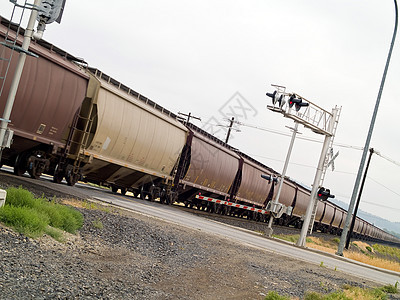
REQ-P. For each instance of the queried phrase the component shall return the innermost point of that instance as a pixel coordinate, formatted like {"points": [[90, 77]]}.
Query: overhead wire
{"points": [[315, 140]]}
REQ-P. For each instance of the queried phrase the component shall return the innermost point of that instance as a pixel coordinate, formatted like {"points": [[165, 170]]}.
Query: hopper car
{"points": [[75, 122], [51, 90]]}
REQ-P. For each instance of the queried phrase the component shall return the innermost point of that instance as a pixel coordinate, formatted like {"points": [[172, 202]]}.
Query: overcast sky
{"points": [[217, 59]]}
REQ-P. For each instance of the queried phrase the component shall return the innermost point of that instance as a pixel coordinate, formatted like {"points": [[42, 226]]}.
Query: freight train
{"points": [[75, 122]]}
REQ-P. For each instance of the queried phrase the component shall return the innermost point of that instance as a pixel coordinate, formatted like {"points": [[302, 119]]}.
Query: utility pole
{"points": [[229, 130], [371, 151], [343, 237], [189, 116]]}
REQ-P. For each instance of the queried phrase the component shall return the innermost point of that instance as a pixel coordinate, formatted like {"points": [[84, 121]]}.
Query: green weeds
{"points": [[347, 293], [387, 250], [34, 216], [97, 224]]}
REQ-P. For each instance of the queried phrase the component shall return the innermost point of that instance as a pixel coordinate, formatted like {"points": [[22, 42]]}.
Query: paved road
{"points": [[174, 215], [183, 218]]}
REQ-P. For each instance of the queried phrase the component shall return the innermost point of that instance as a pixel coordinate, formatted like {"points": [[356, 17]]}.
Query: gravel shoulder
{"points": [[137, 257]]}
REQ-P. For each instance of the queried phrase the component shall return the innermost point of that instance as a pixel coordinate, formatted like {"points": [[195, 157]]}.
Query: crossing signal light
{"points": [[298, 103], [51, 10], [323, 194], [270, 178], [277, 98]]}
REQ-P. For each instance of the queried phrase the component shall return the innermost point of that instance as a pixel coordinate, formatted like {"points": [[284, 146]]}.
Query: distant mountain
{"points": [[392, 227]]}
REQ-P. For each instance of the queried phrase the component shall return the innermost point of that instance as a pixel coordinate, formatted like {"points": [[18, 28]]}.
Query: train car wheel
{"points": [[212, 207], [34, 173], [142, 194], [114, 189], [71, 179], [123, 191], [20, 165], [170, 199], [58, 176], [163, 200]]}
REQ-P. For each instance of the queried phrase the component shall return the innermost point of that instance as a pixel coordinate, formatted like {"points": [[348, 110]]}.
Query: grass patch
{"points": [[390, 289], [34, 216], [290, 237], [378, 255], [97, 224], [25, 220], [387, 251], [272, 295], [55, 233], [347, 293], [287, 237], [336, 240], [86, 205], [374, 261], [89, 205]]}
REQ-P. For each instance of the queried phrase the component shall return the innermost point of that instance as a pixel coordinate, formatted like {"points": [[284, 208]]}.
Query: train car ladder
{"points": [[329, 155], [80, 133], [83, 142]]}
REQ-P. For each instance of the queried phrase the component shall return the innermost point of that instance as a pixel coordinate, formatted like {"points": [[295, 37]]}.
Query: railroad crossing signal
{"points": [[277, 98], [270, 178], [51, 10], [332, 161], [323, 194], [298, 102]]}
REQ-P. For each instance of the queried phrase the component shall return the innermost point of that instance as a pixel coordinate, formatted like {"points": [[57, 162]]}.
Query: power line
{"points": [[384, 186], [310, 139], [315, 140], [387, 158], [343, 172], [380, 205]]}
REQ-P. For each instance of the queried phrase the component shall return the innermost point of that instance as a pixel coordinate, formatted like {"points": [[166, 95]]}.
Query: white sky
{"points": [[193, 56]]}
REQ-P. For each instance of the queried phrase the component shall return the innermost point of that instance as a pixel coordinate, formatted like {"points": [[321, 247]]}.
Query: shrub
{"points": [[24, 219], [19, 197], [72, 219], [390, 289], [34, 216], [55, 233], [272, 295], [332, 296]]}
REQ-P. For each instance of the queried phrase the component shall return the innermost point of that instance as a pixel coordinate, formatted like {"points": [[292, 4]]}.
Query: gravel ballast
{"points": [[120, 254]]}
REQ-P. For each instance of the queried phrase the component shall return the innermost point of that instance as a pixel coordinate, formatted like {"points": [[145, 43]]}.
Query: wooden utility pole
{"points": [[189, 115]]}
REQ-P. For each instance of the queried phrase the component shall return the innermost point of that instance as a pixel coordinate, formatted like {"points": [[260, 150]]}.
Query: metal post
{"points": [[317, 179], [276, 200], [353, 221], [367, 142], [18, 72]]}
